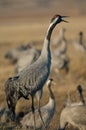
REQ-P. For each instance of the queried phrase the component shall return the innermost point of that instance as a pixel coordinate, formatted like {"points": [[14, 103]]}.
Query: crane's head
{"points": [[80, 33], [50, 81], [58, 18]]}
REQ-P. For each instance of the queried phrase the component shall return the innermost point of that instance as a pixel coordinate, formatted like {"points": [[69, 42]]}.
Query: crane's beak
{"points": [[63, 19]]}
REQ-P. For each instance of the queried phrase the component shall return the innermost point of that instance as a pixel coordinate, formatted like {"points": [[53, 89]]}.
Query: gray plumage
{"points": [[32, 79], [60, 37], [60, 59], [61, 47], [82, 100], [60, 62], [13, 55], [74, 115], [79, 44], [47, 112], [26, 59]]}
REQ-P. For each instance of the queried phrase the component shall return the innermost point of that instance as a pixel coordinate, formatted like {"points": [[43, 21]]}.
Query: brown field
{"points": [[14, 32]]}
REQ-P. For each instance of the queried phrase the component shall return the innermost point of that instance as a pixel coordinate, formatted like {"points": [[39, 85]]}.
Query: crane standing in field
{"points": [[30, 81], [60, 37], [82, 100], [79, 44], [27, 59], [13, 55], [47, 112], [60, 59], [74, 113]]}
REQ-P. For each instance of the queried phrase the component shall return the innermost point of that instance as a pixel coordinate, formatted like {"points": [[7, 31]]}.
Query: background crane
{"points": [[47, 112]]}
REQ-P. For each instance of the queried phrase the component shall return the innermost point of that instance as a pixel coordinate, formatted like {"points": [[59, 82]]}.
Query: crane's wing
{"points": [[79, 115], [34, 78]]}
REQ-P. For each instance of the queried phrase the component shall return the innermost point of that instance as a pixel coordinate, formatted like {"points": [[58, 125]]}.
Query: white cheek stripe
{"points": [[53, 21]]}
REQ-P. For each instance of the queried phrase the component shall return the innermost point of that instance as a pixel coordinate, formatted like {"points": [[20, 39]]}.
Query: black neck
{"points": [[51, 93], [50, 31]]}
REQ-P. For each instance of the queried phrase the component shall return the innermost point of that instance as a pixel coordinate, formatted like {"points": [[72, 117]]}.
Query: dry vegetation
{"points": [[16, 32]]}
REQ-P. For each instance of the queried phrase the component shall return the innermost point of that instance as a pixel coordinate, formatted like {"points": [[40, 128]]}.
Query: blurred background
{"points": [[11, 8], [25, 22], [17, 15]]}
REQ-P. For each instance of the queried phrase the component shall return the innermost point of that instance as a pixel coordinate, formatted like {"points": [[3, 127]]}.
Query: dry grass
{"points": [[15, 33]]}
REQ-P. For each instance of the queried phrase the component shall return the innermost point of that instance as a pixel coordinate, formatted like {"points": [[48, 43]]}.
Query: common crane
{"points": [[60, 62], [14, 54], [30, 81], [27, 59], [79, 44], [60, 37], [60, 59], [82, 100], [47, 112], [74, 115]]}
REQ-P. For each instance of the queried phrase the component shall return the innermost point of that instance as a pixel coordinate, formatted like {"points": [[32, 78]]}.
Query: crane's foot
{"points": [[42, 119]]}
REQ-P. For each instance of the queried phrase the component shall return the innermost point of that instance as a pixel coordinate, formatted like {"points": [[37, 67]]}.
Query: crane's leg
{"points": [[41, 115], [33, 111]]}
